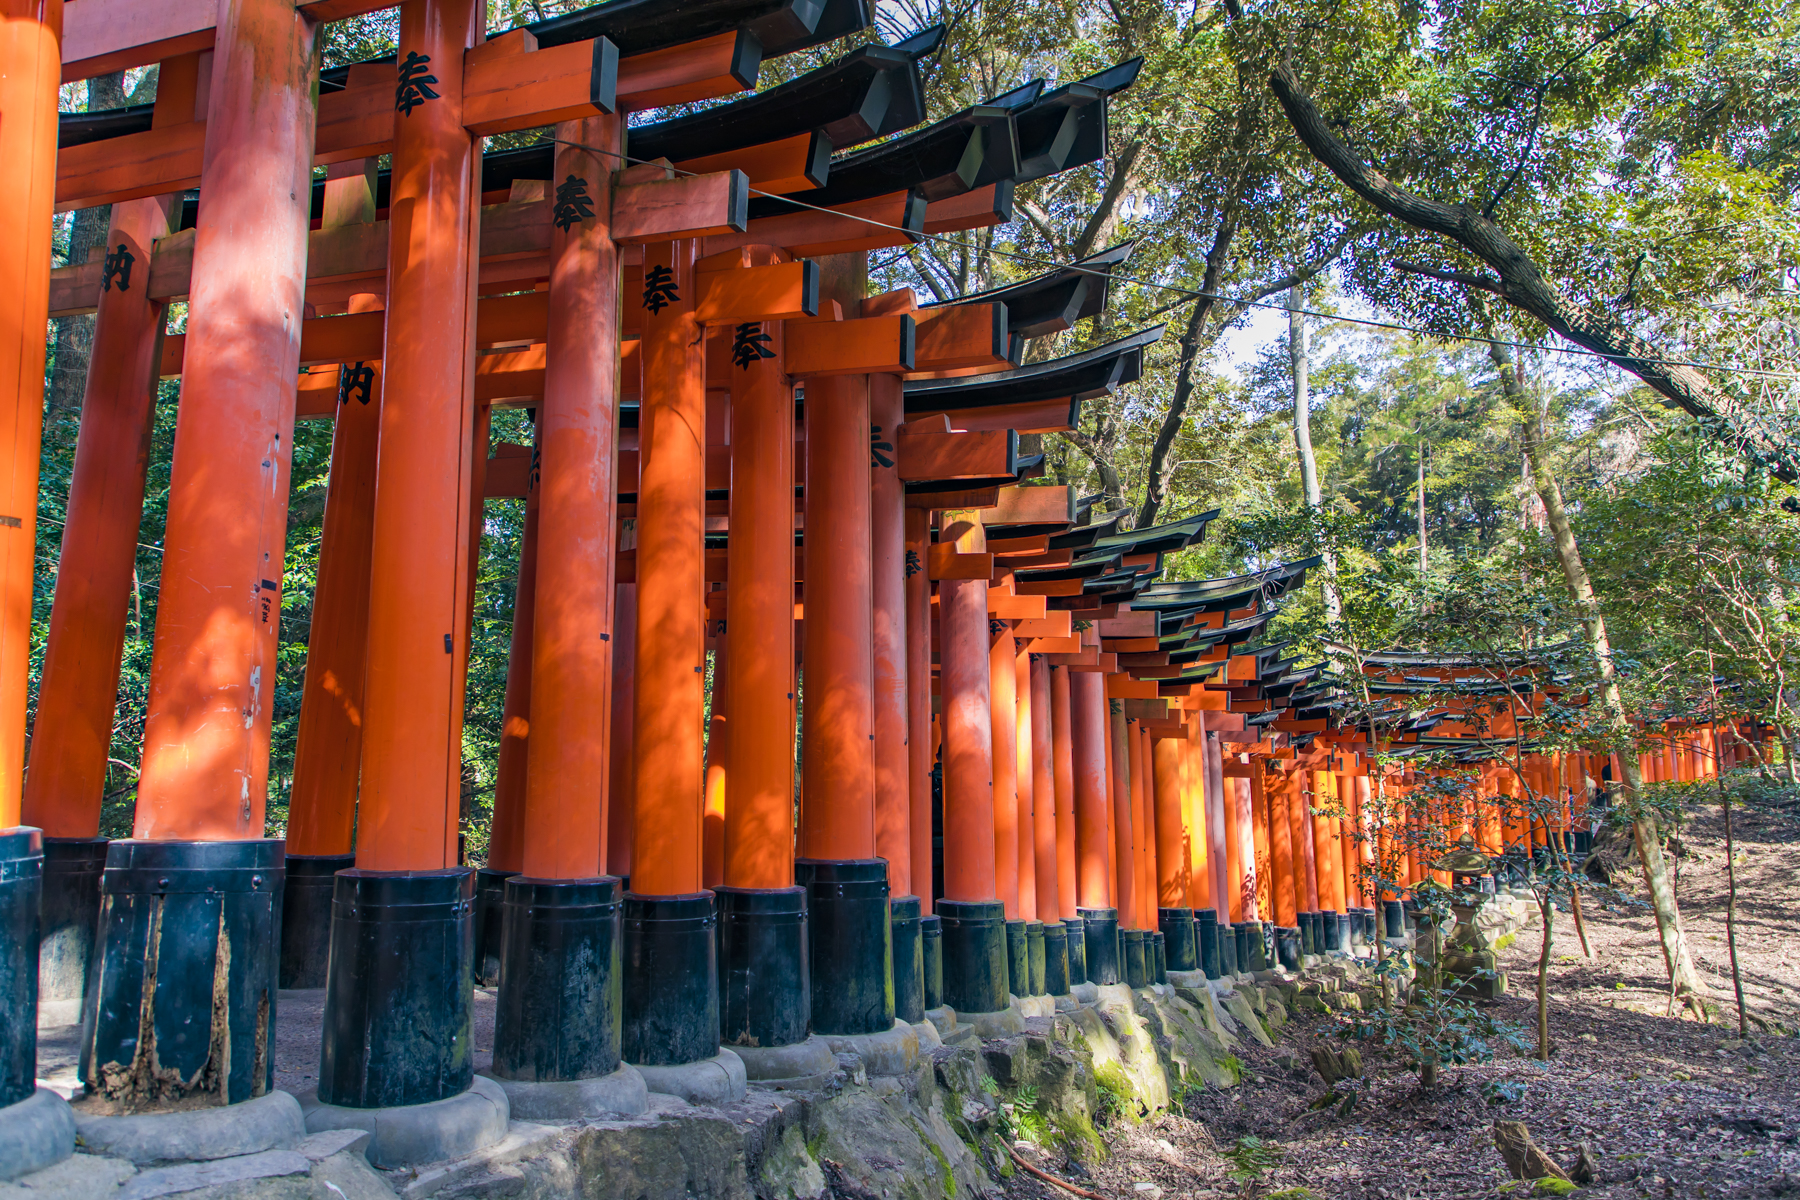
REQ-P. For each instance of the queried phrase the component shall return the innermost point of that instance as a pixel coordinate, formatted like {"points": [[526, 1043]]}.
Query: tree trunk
{"points": [[1682, 976], [1301, 362]]}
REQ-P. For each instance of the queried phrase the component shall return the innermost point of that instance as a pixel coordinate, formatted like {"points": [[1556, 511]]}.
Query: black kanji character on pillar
{"points": [[749, 343], [415, 73], [880, 450], [996, 627], [913, 566], [536, 472], [659, 288], [117, 264], [358, 379], [572, 203]]}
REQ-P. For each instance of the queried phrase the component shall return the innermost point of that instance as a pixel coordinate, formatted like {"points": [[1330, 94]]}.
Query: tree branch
{"points": [[1486, 283], [1522, 284]]}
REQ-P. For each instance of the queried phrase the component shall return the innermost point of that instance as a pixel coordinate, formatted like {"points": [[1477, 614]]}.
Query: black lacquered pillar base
{"points": [[1179, 945], [1393, 918], [1076, 928], [851, 938], [1206, 938], [1056, 959], [765, 981], [1228, 965], [1287, 947], [68, 913], [1328, 934], [201, 921], [399, 997], [21, 883], [306, 917], [1018, 959], [909, 960], [1034, 957], [1105, 961], [1137, 974], [1309, 933], [671, 979], [490, 923], [974, 954], [1248, 937], [1156, 942], [931, 946], [557, 1016]]}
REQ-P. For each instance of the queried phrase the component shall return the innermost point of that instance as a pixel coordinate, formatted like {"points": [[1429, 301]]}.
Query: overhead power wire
{"points": [[1189, 294]]}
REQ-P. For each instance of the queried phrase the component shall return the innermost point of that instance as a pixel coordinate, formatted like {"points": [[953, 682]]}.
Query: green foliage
{"points": [[1250, 1157]]}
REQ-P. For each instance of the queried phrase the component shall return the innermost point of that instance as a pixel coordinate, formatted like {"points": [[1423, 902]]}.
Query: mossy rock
{"points": [[1505, 940]]}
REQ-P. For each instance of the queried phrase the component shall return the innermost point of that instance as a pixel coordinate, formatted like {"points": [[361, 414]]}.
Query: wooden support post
{"points": [[1330, 859], [1259, 846], [1093, 802], [1002, 685], [1062, 747], [31, 49], [506, 836], [1233, 908], [1194, 776], [1224, 883], [1281, 849], [621, 770], [888, 640], [206, 732], [1243, 817], [1144, 825], [78, 692], [920, 755], [1125, 874], [1172, 871], [1044, 805], [1306, 885], [1026, 824]]}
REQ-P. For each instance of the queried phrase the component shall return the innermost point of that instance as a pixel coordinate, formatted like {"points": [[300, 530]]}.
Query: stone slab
{"points": [[37, 1132], [1035, 1006], [711, 1081], [891, 1052], [810, 1059], [929, 1038], [621, 1093], [524, 1140], [1005, 1023], [80, 1177], [270, 1122], [414, 1134], [191, 1177], [944, 1017]]}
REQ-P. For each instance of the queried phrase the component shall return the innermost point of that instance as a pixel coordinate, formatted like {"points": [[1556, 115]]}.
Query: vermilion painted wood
{"points": [[621, 774], [1004, 730], [328, 749], [30, 36], [718, 770], [1261, 856], [1306, 877], [1194, 809], [1043, 793], [669, 692], [775, 292], [1172, 871], [206, 728], [1235, 870], [565, 789], [928, 455], [837, 819], [1347, 842], [417, 604], [1146, 830], [80, 683], [1089, 736], [1062, 766], [869, 345], [1024, 781], [506, 836], [759, 622], [968, 747], [961, 337], [1328, 858], [1124, 736], [1281, 849], [1112, 820], [773, 167], [918, 702], [887, 565]]}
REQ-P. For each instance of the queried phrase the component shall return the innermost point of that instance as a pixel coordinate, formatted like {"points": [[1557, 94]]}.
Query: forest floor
{"points": [[1668, 1107]]}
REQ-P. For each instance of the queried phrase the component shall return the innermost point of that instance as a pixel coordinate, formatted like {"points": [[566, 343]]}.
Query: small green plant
{"points": [[1504, 1091], [1250, 1157], [1114, 1091], [1021, 1120]]}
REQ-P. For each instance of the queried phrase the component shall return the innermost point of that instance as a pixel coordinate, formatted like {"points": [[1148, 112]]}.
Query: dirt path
{"points": [[1669, 1108]]}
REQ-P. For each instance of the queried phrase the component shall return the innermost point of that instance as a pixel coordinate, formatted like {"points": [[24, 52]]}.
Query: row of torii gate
{"points": [[1025, 763]]}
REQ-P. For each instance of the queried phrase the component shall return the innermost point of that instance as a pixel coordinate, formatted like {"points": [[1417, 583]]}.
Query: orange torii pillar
{"points": [[557, 1017], [1193, 811], [765, 987], [1068, 889], [1155, 952], [972, 914], [328, 749], [1131, 936], [718, 760], [1093, 834], [671, 993], [1045, 804], [846, 883], [506, 832], [1024, 780], [80, 684], [921, 754], [1329, 858], [621, 770], [398, 1002], [1306, 883], [891, 696], [1284, 908], [1004, 728], [1224, 885], [40, 1128], [1175, 916], [198, 864]]}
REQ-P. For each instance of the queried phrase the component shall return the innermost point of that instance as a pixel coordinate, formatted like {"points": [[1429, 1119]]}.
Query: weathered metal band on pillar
{"points": [[931, 946], [558, 1010], [21, 877], [765, 981], [69, 912], [909, 960], [1056, 959], [306, 917], [1287, 947], [1105, 962], [490, 927], [974, 954], [200, 920], [1136, 969], [671, 977], [1076, 929], [1034, 953], [1018, 959], [1206, 934], [1180, 947], [399, 998], [851, 939]]}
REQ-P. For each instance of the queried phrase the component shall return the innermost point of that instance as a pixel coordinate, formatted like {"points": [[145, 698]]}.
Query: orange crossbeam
{"points": [[863, 346]]}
